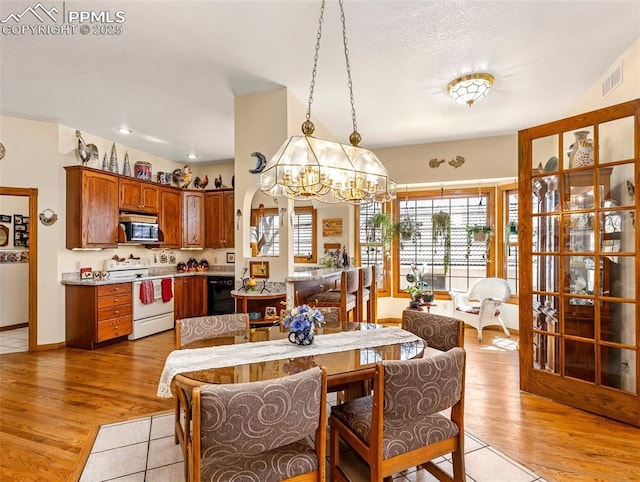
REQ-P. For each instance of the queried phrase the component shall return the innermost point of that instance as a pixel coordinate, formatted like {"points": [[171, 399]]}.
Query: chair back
{"points": [[351, 280], [251, 418], [496, 288], [189, 330], [439, 331], [366, 276]]}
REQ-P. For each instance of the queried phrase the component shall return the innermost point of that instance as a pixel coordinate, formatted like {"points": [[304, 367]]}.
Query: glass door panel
{"points": [[580, 360], [617, 368], [615, 140], [545, 153]]}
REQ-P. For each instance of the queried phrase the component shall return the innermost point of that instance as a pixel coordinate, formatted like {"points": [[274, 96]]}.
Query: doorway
{"points": [[32, 251]]}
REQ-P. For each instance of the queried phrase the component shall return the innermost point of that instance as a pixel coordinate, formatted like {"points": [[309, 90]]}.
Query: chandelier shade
{"points": [[469, 89], [308, 168]]}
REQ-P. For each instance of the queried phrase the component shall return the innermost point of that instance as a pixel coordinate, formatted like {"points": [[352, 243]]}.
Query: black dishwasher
{"points": [[219, 299]]}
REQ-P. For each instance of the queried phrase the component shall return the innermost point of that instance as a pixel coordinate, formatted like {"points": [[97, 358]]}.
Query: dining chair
{"points": [[401, 424], [368, 294], [346, 297], [480, 306], [190, 330], [440, 332], [260, 431]]}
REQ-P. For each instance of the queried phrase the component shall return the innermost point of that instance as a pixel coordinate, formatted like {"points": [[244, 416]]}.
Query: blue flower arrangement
{"points": [[303, 318]]}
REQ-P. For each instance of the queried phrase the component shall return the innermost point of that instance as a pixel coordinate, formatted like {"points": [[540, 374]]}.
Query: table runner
{"points": [[180, 361]]}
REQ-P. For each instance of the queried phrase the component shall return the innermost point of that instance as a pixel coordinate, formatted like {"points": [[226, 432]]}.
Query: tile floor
{"points": [[143, 450], [14, 341]]}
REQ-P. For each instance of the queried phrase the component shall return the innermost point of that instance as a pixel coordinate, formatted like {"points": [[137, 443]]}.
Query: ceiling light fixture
{"points": [[308, 168], [191, 156], [124, 130], [469, 89]]}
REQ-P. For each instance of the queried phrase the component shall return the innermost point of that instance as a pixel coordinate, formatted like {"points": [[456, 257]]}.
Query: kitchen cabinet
{"points": [[579, 295], [92, 208], [138, 196], [190, 296], [193, 219], [170, 218], [95, 315], [220, 219]]}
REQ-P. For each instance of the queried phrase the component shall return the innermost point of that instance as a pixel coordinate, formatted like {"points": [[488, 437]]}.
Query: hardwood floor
{"points": [[52, 403]]}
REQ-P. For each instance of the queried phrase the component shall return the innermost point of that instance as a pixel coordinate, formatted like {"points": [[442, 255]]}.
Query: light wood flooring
{"points": [[52, 404]]}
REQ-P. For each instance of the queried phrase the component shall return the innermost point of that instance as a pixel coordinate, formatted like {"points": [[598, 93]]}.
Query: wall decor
{"points": [[259, 269], [332, 227], [457, 162], [5, 218], [433, 163], [4, 235], [231, 257], [8, 256], [17, 219]]}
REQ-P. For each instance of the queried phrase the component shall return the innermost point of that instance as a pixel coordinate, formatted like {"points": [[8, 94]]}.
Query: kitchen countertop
{"points": [[74, 278], [315, 274]]}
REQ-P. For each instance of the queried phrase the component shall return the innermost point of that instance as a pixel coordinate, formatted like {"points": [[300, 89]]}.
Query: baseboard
{"points": [[14, 327]]}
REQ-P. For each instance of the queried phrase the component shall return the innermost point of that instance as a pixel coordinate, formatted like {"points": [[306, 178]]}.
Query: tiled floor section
{"points": [[14, 341], [143, 450]]}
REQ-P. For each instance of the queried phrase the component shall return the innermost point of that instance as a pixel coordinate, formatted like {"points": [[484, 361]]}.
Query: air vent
{"points": [[612, 80]]}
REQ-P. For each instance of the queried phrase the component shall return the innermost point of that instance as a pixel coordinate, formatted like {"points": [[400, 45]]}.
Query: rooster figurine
{"points": [[218, 181], [186, 177], [204, 182], [457, 162]]}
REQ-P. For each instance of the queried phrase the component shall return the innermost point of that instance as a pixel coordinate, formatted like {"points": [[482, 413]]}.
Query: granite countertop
{"points": [[257, 293], [315, 274], [74, 278]]}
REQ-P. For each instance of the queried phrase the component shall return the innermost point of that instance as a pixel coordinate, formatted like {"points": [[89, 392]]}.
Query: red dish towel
{"points": [[167, 292], [146, 292]]}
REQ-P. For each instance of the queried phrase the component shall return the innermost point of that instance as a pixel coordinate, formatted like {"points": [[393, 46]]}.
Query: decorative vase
{"points": [[113, 160], [126, 170], [581, 153], [105, 163], [302, 337]]}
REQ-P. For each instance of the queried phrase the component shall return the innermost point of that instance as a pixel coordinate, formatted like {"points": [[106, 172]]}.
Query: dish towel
{"points": [[167, 292], [146, 292], [157, 289]]}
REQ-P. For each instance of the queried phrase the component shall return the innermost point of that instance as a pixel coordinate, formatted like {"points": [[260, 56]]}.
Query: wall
{"points": [[14, 277]]}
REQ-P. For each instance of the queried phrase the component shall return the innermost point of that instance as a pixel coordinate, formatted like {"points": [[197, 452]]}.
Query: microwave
{"points": [[135, 231]]}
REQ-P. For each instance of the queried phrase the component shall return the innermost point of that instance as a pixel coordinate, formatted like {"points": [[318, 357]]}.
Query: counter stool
{"points": [[346, 298], [368, 294]]}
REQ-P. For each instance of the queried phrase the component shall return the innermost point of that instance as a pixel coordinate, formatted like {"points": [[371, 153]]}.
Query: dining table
{"points": [[348, 351]]}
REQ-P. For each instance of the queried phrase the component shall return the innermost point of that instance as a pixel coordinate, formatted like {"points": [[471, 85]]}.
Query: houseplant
{"points": [[476, 232], [407, 229], [441, 230]]}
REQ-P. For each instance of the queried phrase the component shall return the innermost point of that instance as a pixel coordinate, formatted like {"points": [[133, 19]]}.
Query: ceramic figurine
{"points": [[218, 181]]}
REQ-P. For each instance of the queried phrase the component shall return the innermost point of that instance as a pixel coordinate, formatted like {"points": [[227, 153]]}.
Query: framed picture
{"points": [[231, 257], [17, 219], [19, 239], [25, 219], [5, 218], [20, 227], [259, 269], [270, 313]]}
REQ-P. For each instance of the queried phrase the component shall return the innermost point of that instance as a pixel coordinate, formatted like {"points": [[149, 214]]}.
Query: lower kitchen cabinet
{"points": [[97, 314], [190, 296]]}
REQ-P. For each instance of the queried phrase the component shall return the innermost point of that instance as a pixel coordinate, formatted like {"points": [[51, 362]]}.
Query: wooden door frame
{"points": [[32, 194]]}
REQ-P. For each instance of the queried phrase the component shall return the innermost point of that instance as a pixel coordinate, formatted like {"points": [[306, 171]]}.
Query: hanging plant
{"points": [[383, 222], [407, 229], [479, 233], [441, 230]]}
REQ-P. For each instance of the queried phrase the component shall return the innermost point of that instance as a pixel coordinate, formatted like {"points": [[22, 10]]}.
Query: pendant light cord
{"points": [[346, 58], [312, 86]]}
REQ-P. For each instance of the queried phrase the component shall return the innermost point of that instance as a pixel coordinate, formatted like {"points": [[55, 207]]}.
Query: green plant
{"points": [[441, 230], [474, 231], [407, 229], [384, 223], [512, 227]]}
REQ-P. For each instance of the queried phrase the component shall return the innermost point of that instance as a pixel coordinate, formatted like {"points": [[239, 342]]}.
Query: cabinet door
{"points": [[229, 218], [150, 197], [170, 218], [130, 197], [192, 219], [100, 216], [214, 214], [179, 301], [198, 291]]}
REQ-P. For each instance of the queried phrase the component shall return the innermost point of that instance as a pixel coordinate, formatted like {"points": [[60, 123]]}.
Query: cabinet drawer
{"points": [[115, 311], [114, 300], [114, 328], [116, 289]]}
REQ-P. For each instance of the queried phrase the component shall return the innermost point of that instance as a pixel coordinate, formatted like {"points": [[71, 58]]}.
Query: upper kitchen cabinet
{"points": [[193, 219], [170, 217], [92, 208], [138, 196], [219, 213]]}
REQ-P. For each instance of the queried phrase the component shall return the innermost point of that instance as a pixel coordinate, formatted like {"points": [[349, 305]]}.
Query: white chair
{"points": [[480, 306]]}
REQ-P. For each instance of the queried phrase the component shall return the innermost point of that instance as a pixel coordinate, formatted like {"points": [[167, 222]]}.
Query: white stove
{"points": [[127, 268]]}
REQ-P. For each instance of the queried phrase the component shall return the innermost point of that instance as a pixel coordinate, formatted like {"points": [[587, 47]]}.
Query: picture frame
{"points": [[270, 313], [21, 227], [5, 218], [231, 257], [259, 269], [17, 219]]}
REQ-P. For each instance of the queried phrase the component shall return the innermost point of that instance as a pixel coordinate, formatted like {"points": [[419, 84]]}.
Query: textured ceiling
{"points": [[172, 74]]}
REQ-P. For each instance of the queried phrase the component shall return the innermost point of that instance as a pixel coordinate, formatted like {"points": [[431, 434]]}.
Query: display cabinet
{"points": [[579, 295]]}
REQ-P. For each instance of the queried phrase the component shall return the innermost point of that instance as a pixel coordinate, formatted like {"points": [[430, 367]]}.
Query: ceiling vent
{"points": [[612, 80]]}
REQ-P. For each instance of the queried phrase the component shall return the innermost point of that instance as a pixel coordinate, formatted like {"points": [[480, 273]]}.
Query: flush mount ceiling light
{"points": [[470, 88], [124, 130], [191, 156], [308, 168]]}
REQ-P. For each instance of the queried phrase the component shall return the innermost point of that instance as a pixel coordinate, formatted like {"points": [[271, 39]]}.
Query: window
{"points": [[371, 245], [508, 247], [265, 233]]}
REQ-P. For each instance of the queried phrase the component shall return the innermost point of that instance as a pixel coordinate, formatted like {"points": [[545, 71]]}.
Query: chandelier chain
{"points": [[315, 62], [346, 58]]}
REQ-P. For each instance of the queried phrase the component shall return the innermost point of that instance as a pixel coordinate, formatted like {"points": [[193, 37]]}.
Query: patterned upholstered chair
{"points": [[346, 297], [480, 306], [190, 331], [368, 294], [440, 332], [400, 425], [259, 431]]}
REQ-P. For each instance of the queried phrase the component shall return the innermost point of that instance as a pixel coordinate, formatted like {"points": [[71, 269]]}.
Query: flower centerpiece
{"points": [[301, 321]]}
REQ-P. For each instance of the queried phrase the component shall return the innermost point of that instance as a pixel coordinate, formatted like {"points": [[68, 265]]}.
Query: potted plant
{"points": [[407, 229], [441, 230], [476, 232], [384, 223]]}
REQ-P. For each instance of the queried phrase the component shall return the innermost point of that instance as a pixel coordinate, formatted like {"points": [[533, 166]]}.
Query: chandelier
{"points": [[470, 88], [309, 168]]}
